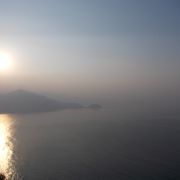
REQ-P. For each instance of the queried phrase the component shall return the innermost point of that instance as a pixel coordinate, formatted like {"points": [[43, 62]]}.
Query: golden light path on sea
{"points": [[6, 146]]}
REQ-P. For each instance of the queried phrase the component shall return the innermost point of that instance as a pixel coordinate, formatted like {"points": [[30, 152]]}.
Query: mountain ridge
{"points": [[22, 101]]}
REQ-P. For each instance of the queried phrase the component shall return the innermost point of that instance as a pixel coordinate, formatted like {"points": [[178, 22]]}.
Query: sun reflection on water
{"points": [[6, 146]]}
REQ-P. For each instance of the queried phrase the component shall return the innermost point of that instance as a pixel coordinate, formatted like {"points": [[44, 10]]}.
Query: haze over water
{"points": [[123, 55], [87, 144]]}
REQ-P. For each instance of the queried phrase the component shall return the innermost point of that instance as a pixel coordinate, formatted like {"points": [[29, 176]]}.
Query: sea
{"points": [[86, 144]]}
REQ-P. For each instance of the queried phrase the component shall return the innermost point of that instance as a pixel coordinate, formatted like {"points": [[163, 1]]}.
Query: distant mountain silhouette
{"points": [[21, 101]]}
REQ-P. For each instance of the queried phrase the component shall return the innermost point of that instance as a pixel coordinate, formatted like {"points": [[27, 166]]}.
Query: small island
{"points": [[95, 106]]}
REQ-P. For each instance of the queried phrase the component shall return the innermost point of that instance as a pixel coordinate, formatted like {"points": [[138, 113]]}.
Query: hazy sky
{"points": [[91, 47]]}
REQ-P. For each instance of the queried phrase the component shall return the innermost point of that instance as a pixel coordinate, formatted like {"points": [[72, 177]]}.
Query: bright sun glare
{"points": [[5, 61]]}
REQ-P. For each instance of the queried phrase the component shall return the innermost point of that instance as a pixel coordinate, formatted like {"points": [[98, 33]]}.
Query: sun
{"points": [[5, 61]]}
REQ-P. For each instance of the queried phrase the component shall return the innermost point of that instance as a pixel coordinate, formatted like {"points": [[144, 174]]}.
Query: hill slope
{"points": [[21, 101]]}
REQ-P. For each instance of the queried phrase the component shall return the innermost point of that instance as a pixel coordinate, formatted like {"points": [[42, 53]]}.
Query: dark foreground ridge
{"points": [[21, 101], [2, 177]]}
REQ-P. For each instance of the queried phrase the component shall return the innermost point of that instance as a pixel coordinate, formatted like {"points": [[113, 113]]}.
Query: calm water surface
{"points": [[90, 145]]}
